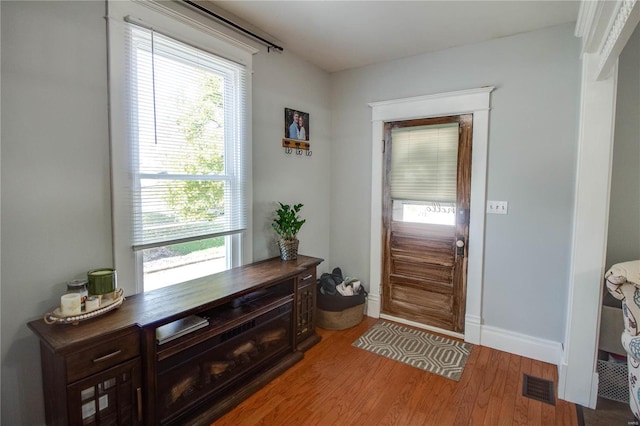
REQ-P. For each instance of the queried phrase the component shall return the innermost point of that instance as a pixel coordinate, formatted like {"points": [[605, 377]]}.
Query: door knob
{"points": [[460, 246]]}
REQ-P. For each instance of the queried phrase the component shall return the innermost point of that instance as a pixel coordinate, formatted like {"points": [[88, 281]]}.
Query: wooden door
{"points": [[424, 241]]}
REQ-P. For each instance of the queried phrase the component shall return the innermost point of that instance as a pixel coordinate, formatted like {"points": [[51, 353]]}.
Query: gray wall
{"points": [[532, 151], [56, 221], [623, 241], [279, 81]]}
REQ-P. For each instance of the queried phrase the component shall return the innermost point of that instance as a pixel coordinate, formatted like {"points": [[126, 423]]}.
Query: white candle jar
{"points": [[71, 304]]}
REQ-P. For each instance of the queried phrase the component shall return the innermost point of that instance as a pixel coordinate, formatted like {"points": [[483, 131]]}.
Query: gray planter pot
{"points": [[288, 249]]}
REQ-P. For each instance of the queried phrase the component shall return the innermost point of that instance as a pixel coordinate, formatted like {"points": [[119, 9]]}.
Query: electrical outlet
{"points": [[497, 207]]}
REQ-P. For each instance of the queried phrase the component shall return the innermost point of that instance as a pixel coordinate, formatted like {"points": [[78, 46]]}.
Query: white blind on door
{"points": [[424, 163], [187, 120]]}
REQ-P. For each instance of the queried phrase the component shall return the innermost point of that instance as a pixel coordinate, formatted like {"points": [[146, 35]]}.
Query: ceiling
{"points": [[339, 35]]}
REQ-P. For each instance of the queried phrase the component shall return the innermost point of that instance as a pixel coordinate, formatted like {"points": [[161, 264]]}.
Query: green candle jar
{"points": [[101, 281]]}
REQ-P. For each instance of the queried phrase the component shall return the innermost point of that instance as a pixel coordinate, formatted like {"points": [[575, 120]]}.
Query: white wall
{"points": [[623, 242], [279, 81], [532, 154], [56, 221]]}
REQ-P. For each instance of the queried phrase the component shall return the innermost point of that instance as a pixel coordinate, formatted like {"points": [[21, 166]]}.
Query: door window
{"points": [[423, 175]]}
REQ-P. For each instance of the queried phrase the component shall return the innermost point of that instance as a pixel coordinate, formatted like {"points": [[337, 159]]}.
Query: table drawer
{"points": [[307, 277], [102, 356]]}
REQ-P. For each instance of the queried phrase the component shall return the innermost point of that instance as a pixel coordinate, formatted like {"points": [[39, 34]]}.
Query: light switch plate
{"points": [[497, 207]]}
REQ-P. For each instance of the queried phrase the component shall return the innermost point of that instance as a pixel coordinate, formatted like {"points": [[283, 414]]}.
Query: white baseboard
{"points": [[373, 305], [478, 334], [521, 344], [472, 329]]}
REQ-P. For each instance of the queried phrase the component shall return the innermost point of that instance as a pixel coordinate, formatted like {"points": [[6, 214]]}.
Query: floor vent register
{"points": [[538, 389]]}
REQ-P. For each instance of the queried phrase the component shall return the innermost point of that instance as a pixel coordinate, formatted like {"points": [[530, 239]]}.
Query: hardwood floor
{"points": [[338, 384]]}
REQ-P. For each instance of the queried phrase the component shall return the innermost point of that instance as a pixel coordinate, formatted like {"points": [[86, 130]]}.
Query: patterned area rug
{"points": [[428, 352]]}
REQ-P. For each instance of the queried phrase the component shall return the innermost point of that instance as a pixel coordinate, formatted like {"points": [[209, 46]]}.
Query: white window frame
{"points": [[184, 24]]}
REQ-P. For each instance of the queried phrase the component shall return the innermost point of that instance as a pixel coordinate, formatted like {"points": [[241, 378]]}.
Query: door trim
{"points": [[473, 101]]}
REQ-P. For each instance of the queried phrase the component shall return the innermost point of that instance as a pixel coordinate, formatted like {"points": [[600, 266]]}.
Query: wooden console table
{"points": [[111, 369]]}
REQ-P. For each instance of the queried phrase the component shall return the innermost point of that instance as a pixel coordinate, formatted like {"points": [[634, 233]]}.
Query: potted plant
{"points": [[287, 224]]}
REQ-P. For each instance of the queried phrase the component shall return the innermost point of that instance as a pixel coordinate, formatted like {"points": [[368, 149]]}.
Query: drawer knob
{"points": [[306, 277], [108, 356]]}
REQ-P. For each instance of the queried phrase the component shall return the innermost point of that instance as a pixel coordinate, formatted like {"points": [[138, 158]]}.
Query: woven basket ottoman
{"points": [[337, 312]]}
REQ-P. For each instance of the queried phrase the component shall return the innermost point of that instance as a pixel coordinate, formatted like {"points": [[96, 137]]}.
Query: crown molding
{"points": [[586, 24], [605, 27], [623, 23]]}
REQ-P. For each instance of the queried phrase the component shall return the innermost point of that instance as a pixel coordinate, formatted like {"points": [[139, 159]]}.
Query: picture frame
{"points": [[292, 128]]}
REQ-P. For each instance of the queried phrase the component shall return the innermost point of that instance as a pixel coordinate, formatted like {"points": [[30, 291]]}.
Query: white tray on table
{"points": [[107, 304]]}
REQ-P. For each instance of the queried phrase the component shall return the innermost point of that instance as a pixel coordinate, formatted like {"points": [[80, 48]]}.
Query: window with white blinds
{"points": [[424, 163], [187, 114]]}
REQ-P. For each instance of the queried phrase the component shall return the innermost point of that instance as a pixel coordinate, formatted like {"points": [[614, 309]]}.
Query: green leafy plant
{"points": [[288, 223], [200, 124]]}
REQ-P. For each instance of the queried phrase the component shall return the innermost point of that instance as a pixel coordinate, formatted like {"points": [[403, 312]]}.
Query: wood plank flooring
{"points": [[338, 384]]}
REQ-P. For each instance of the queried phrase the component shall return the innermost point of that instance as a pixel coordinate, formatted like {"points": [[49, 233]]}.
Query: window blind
{"points": [[424, 163], [187, 125]]}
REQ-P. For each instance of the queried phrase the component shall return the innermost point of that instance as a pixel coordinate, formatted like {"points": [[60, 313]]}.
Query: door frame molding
{"points": [[605, 28], [472, 101]]}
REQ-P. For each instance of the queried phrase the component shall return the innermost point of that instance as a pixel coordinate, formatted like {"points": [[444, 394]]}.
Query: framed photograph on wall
{"points": [[296, 124]]}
